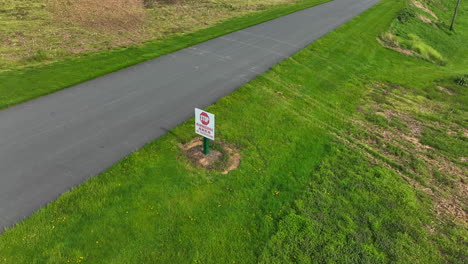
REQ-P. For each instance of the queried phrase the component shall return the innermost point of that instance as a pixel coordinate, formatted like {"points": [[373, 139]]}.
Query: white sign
{"points": [[204, 124]]}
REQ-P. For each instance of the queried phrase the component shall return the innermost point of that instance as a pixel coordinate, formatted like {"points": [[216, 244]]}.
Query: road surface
{"points": [[56, 142]]}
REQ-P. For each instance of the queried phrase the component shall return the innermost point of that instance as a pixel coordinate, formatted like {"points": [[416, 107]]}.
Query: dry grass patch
{"points": [[34, 32], [105, 15], [445, 90], [390, 43], [424, 19], [393, 139], [413, 45], [424, 8]]}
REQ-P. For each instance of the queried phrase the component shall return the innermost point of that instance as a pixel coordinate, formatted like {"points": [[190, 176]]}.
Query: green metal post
{"points": [[206, 146]]}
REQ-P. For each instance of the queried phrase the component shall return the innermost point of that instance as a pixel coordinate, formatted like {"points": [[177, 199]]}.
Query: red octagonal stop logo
{"points": [[204, 118]]}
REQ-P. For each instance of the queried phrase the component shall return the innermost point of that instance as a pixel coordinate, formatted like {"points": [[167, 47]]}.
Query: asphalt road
{"points": [[53, 143]]}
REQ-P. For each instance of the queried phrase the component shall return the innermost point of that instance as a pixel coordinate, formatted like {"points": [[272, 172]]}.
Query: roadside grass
{"points": [[354, 212], [319, 180], [24, 84], [55, 29], [104, 16]]}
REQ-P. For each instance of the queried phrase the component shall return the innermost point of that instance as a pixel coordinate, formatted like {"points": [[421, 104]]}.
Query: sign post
{"points": [[205, 126], [206, 146]]}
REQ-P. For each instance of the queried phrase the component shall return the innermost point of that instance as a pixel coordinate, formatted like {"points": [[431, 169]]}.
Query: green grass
{"points": [[18, 86], [353, 213], [39, 32], [311, 186], [458, 146]]}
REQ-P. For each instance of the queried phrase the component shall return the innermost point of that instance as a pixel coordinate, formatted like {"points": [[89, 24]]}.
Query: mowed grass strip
{"points": [[17, 86], [38, 32], [300, 194]]}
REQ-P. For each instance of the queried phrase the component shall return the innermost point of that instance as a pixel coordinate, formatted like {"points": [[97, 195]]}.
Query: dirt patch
{"points": [[222, 157], [233, 161], [395, 46], [197, 156], [453, 207], [424, 19], [414, 125], [422, 7]]}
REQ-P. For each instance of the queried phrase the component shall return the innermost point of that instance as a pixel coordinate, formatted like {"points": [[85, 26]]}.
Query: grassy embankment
{"points": [[352, 153], [55, 72]]}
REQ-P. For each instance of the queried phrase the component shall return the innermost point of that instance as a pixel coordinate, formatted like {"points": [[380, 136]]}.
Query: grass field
{"points": [[356, 154], [26, 83], [38, 32]]}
